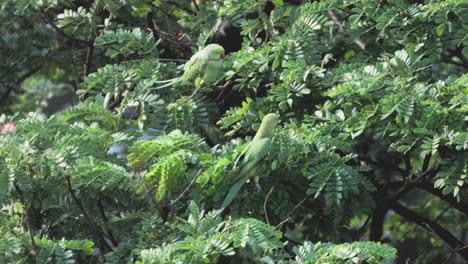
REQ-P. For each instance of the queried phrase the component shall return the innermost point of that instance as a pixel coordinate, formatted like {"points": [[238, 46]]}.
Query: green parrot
{"points": [[257, 149], [203, 67]]}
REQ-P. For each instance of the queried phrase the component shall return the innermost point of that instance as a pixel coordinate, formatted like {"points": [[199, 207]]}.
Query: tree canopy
{"points": [[100, 162]]}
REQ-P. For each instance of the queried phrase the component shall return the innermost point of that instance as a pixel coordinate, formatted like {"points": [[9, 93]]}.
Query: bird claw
{"points": [[258, 187]]}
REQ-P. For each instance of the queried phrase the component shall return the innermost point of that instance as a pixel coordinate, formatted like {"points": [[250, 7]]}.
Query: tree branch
{"points": [[6, 94], [49, 21], [196, 5], [431, 226], [359, 43], [377, 222], [87, 217], [150, 24], [426, 162], [265, 205], [89, 56], [105, 220], [19, 81], [428, 187], [407, 164], [188, 187], [26, 219]]}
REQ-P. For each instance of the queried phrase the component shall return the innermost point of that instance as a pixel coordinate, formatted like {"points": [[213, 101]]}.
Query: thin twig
{"points": [[407, 164], [442, 213], [460, 248], [361, 228], [290, 212], [426, 162], [188, 187], [150, 24], [19, 81], [89, 55], [85, 214], [105, 220], [282, 222], [359, 43], [26, 219], [265, 205], [295, 207], [431, 226], [160, 59], [75, 85], [196, 5], [49, 21]]}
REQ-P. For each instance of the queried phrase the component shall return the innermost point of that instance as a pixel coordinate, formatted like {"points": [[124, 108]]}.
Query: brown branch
{"points": [[428, 187], [87, 217], [278, 226], [407, 164], [75, 85], [89, 56], [431, 226], [45, 16], [29, 73], [265, 205], [359, 43], [427, 160], [19, 81], [290, 212], [196, 5], [377, 222], [6, 94], [188, 187], [105, 220], [26, 219], [379, 164], [150, 24], [425, 185], [360, 231]]}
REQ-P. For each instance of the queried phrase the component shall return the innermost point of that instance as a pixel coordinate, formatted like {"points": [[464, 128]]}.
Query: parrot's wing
{"points": [[211, 71], [194, 67], [241, 156], [256, 151], [232, 193]]}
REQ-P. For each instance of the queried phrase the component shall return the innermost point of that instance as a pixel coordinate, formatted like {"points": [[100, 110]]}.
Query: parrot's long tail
{"points": [[235, 188], [167, 83]]}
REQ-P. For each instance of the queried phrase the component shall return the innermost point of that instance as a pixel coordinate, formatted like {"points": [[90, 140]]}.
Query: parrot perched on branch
{"points": [[257, 149], [203, 67]]}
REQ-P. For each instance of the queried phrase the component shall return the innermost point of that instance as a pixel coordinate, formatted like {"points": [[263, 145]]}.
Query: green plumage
{"points": [[202, 68], [255, 152]]}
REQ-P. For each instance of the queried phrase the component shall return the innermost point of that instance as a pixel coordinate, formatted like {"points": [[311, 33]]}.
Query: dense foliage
{"points": [[369, 155]]}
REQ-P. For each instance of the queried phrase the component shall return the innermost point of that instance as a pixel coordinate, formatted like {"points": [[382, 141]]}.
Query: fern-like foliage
{"points": [[126, 42], [166, 158], [372, 103], [356, 252], [207, 237]]}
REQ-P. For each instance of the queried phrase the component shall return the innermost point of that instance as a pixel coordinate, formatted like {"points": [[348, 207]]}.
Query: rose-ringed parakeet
{"points": [[202, 68], [255, 152]]}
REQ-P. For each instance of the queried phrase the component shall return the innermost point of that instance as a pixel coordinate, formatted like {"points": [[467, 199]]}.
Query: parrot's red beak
{"points": [[223, 55]]}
